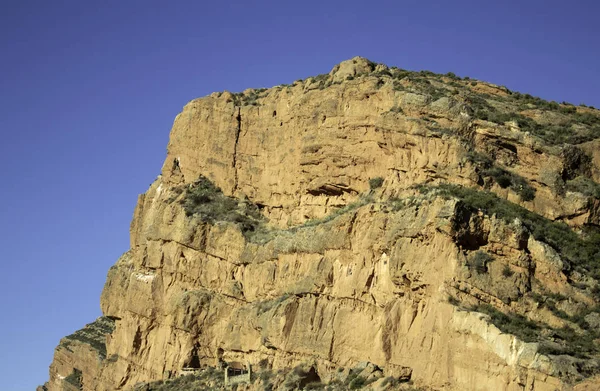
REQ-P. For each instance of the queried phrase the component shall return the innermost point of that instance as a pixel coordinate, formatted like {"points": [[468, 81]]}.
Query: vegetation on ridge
{"points": [[75, 378], [504, 178], [206, 201], [574, 125], [300, 377], [583, 250], [93, 334]]}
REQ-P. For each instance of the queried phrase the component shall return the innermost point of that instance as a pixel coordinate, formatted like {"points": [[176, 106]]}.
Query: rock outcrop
{"points": [[442, 230]]}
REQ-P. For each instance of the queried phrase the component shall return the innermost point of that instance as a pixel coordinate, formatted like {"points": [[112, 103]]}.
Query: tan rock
{"points": [[367, 283]]}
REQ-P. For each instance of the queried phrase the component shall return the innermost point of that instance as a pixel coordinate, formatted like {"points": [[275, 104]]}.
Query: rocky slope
{"points": [[442, 230]]}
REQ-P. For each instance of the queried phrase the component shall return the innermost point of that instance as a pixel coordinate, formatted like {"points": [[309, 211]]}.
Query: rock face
{"points": [[343, 227]]}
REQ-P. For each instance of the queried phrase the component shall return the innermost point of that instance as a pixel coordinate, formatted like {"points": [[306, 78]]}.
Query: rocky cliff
{"points": [[441, 231]]}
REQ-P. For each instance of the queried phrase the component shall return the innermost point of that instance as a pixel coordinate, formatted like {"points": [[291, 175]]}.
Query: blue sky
{"points": [[89, 90]]}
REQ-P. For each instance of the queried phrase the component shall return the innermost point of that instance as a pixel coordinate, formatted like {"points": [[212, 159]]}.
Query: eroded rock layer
{"points": [[404, 219]]}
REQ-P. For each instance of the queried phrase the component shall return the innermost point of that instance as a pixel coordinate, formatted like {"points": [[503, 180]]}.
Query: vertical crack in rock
{"points": [[237, 138], [332, 344]]}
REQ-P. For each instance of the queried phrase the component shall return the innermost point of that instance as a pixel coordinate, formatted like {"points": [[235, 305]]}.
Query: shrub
{"points": [[527, 193], [206, 201], [392, 381], [580, 250], [299, 378], [507, 271], [501, 176], [93, 334], [75, 378], [357, 383], [204, 379], [567, 109], [585, 186], [314, 386], [375, 183], [576, 344], [553, 134], [267, 305], [518, 325]]}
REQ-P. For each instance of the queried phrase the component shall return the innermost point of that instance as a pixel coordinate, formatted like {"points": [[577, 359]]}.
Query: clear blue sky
{"points": [[89, 91]]}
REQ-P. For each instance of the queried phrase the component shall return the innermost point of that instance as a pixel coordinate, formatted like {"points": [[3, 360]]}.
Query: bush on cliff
{"points": [[580, 249], [375, 183], [206, 201]]}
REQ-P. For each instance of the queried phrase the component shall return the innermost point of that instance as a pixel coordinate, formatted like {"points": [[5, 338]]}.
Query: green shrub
{"points": [[551, 305], [576, 344], [582, 251], [383, 72], [391, 381], [93, 334], [357, 383], [375, 183], [507, 271], [206, 201], [567, 109], [525, 329], [502, 177], [267, 305], [585, 186], [453, 300], [314, 386], [250, 98], [334, 214], [553, 134], [75, 378]]}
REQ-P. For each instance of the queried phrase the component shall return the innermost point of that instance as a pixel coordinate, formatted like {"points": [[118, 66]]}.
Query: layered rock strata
{"points": [[330, 238]]}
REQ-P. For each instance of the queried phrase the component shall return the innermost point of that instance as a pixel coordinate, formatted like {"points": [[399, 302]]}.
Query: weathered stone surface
{"points": [[369, 283]]}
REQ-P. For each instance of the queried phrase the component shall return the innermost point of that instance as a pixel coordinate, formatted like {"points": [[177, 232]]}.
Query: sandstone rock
{"points": [[351, 68], [338, 272]]}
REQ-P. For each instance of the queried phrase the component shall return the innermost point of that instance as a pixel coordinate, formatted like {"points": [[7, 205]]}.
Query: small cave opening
{"points": [[507, 146], [311, 376], [469, 232], [274, 113], [175, 167], [193, 361]]}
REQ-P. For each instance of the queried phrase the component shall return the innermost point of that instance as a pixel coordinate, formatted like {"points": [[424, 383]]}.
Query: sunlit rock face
{"points": [[372, 215]]}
